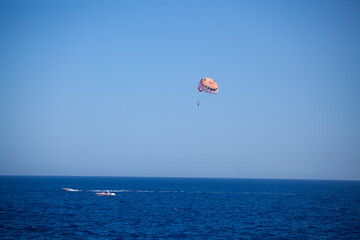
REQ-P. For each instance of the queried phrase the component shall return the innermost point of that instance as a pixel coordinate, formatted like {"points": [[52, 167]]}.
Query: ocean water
{"points": [[178, 208]]}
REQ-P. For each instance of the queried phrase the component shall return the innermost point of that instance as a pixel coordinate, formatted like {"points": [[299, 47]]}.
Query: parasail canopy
{"points": [[208, 85]]}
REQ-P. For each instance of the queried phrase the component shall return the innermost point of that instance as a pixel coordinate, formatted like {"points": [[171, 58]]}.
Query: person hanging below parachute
{"points": [[209, 86]]}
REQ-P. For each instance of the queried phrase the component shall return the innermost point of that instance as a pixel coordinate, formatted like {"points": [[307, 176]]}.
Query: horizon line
{"points": [[248, 178]]}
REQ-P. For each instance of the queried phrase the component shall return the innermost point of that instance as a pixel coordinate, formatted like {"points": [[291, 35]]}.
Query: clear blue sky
{"points": [[110, 88]]}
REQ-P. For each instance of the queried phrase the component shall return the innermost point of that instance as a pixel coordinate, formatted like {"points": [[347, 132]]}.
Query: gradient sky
{"points": [[110, 88]]}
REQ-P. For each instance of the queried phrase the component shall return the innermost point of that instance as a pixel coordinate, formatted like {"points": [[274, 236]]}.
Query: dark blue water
{"points": [[178, 208]]}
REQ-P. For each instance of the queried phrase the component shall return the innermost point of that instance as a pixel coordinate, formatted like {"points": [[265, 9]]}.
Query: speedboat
{"points": [[70, 190], [106, 193]]}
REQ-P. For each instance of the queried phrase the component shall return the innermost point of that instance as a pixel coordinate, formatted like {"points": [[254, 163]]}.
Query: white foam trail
{"points": [[179, 191]]}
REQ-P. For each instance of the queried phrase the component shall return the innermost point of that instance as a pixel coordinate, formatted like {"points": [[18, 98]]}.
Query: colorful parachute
{"points": [[208, 85]]}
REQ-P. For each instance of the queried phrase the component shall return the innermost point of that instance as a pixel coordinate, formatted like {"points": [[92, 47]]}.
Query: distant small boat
{"points": [[70, 190], [106, 193]]}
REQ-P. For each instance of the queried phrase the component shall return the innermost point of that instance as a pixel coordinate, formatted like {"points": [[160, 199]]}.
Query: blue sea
{"points": [[177, 208]]}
